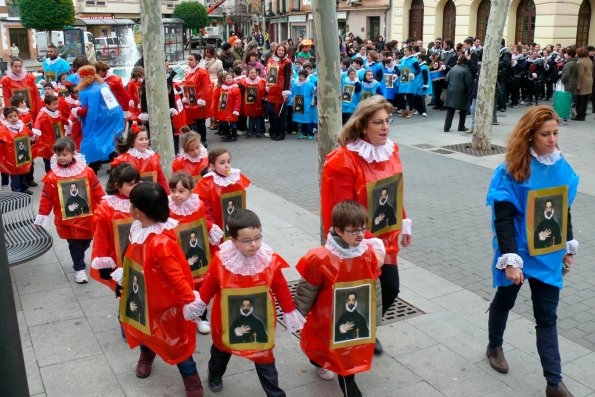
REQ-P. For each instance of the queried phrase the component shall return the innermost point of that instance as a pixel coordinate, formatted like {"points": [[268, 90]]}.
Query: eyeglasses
{"points": [[381, 122], [356, 232], [255, 240]]}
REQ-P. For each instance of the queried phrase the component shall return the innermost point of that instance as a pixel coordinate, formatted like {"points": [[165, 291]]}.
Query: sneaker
{"points": [[301, 136], [293, 133], [522, 102], [415, 112], [80, 276], [424, 115], [325, 374], [258, 136], [6, 188], [215, 384], [266, 134], [240, 133], [310, 137], [204, 327]]}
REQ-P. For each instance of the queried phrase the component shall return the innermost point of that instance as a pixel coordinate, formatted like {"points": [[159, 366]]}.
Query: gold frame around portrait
{"points": [[62, 182], [530, 218], [371, 312], [388, 80], [116, 232], [27, 141], [274, 74], [60, 128], [145, 174], [25, 92], [146, 328], [350, 90], [225, 196], [226, 293], [396, 179], [202, 224]]}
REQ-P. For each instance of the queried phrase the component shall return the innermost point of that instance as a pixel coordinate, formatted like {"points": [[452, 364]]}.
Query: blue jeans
{"points": [[18, 183], [255, 125], [307, 129], [545, 299], [186, 367]]}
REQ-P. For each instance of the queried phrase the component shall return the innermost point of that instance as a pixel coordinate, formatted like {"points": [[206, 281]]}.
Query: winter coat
{"points": [[584, 82], [570, 75], [460, 82]]}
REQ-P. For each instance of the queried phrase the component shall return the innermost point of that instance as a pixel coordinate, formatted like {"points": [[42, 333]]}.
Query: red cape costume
{"points": [[16, 159], [26, 86], [133, 91], [198, 91], [347, 176], [115, 84], [25, 117], [147, 167], [179, 120], [167, 288], [253, 107], [276, 78], [228, 101], [51, 124], [193, 166]]}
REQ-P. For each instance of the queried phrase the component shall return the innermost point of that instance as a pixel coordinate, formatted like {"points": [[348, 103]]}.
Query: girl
{"points": [[133, 89], [15, 150], [253, 99], [186, 208], [221, 180], [278, 76], [72, 191], [302, 97], [228, 101], [113, 213], [194, 159], [253, 62], [156, 307], [350, 93], [370, 85], [198, 96], [135, 150]]}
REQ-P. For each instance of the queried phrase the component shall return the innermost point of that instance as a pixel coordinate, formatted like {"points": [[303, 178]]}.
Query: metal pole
{"points": [[12, 363]]}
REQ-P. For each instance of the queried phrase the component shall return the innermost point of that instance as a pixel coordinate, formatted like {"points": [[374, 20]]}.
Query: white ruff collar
{"points": [[253, 82], [344, 253], [72, 101], [73, 169], [203, 153], [108, 74], [16, 128], [117, 203], [194, 69], [17, 77], [53, 114], [223, 181], [140, 155], [23, 110], [372, 153], [52, 61], [138, 233], [228, 87], [188, 207], [238, 263], [370, 84], [546, 159]]}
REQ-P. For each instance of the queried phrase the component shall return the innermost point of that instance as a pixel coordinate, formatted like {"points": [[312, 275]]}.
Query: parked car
{"points": [[109, 48]]}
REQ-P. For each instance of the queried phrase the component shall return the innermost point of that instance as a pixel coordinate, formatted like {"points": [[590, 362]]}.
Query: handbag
{"points": [[443, 96]]}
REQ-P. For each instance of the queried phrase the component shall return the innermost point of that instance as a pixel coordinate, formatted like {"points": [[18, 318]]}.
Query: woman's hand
{"points": [[514, 274]]}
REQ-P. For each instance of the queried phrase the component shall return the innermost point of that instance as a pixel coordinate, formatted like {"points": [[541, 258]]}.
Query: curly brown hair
{"points": [[358, 122], [518, 156]]}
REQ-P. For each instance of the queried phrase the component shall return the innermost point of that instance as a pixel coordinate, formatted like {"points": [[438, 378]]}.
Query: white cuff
{"points": [[509, 260], [294, 321], [126, 114], [173, 112], [411, 76], [194, 309], [201, 102], [143, 116], [117, 275], [75, 112], [286, 93], [571, 247], [376, 244], [235, 113], [185, 100], [42, 220], [406, 226], [104, 262], [215, 234], [36, 131], [131, 103]]}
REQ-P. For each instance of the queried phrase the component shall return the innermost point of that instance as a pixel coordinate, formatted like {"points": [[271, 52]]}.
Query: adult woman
{"points": [[102, 117], [533, 190], [368, 163], [17, 80], [380, 43], [198, 97], [458, 93], [584, 83], [278, 76], [253, 62], [211, 63]]}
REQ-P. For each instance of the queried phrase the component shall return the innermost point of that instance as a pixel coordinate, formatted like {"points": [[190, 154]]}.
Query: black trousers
{"points": [[77, 250], [345, 117], [581, 106], [450, 113], [267, 373], [200, 127], [389, 282], [437, 87], [346, 383]]}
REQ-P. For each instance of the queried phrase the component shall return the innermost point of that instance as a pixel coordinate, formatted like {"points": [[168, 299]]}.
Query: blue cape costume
{"points": [[389, 93], [52, 71], [350, 105], [420, 89], [306, 91], [104, 122], [546, 267], [406, 67]]}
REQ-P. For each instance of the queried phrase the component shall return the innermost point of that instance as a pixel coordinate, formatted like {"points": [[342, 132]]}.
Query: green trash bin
{"points": [[562, 103]]}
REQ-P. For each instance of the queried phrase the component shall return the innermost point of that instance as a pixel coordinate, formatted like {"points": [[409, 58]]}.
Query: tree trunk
{"points": [[482, 133], [329, 103], [155, 83]]}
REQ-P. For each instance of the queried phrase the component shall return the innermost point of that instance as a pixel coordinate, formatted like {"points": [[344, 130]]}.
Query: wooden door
{"points": [[416, 20]]}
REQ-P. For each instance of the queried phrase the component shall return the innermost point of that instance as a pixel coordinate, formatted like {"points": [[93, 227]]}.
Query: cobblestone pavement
{"points": [[445, 197]]}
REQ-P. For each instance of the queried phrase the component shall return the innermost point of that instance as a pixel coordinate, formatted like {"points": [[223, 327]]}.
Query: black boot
{"points": [[233, 137]]}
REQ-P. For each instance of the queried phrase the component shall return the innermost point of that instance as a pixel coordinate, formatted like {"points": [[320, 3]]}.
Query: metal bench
{"points": [[24, 241]]}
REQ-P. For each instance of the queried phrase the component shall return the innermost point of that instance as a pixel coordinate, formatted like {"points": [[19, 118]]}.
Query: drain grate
{"points": [[466, 148], [400, 310], [424, 146], [442, 151]]}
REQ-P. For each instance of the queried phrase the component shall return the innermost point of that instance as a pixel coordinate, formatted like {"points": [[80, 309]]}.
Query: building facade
{"points": [[11, 31]]}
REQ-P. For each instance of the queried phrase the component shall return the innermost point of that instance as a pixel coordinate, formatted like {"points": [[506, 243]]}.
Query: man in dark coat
{"points": [[503, 75], [458, 93]]}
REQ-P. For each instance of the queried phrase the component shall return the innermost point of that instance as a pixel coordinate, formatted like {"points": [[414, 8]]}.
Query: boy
{"points": [[340, 294], [301, 98], [50, 125], [241, 277], [18, 101]]}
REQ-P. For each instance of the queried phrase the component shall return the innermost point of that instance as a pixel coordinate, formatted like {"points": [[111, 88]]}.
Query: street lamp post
{"points": [[226, 35]]}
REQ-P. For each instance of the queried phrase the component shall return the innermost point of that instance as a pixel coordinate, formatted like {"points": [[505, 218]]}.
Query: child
{"points": [[253, 101], [156, 308], [195, 157], [50, 125], [301, 98], [135, 150], [389, 78], [350, 94], [18, 101], [113, 213], [73, 191], [177, 114], [186, 208], [134, 91], [242, 277], [218, 183], [344, 345], [425, 85], [227, 110], [15, 149], [370, 86]]}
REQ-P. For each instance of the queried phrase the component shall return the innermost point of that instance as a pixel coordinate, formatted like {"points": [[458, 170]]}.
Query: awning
{"points": [[103, 22], [340, 16], [296, 18]]}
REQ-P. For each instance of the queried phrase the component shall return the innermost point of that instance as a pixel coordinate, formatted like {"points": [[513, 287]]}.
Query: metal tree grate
{"points": [[400, 310], [442, 151], [466, 149]]}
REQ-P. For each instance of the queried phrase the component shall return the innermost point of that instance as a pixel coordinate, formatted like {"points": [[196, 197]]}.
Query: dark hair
{"points": [[213, 154], [16, 100], [49, 99], [358, 60], [237, 71], [225, 46], [122, 145], [346, 62], [195, 56], [462, 60], [303, 73], [242, 219], [349, 213], [185, 129], [51, 46], [181, 177], [151, 199], [352, 293], [79, 62], [64, 144], [571, 51], [123, 172], [9, 110], [60, 76]]}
